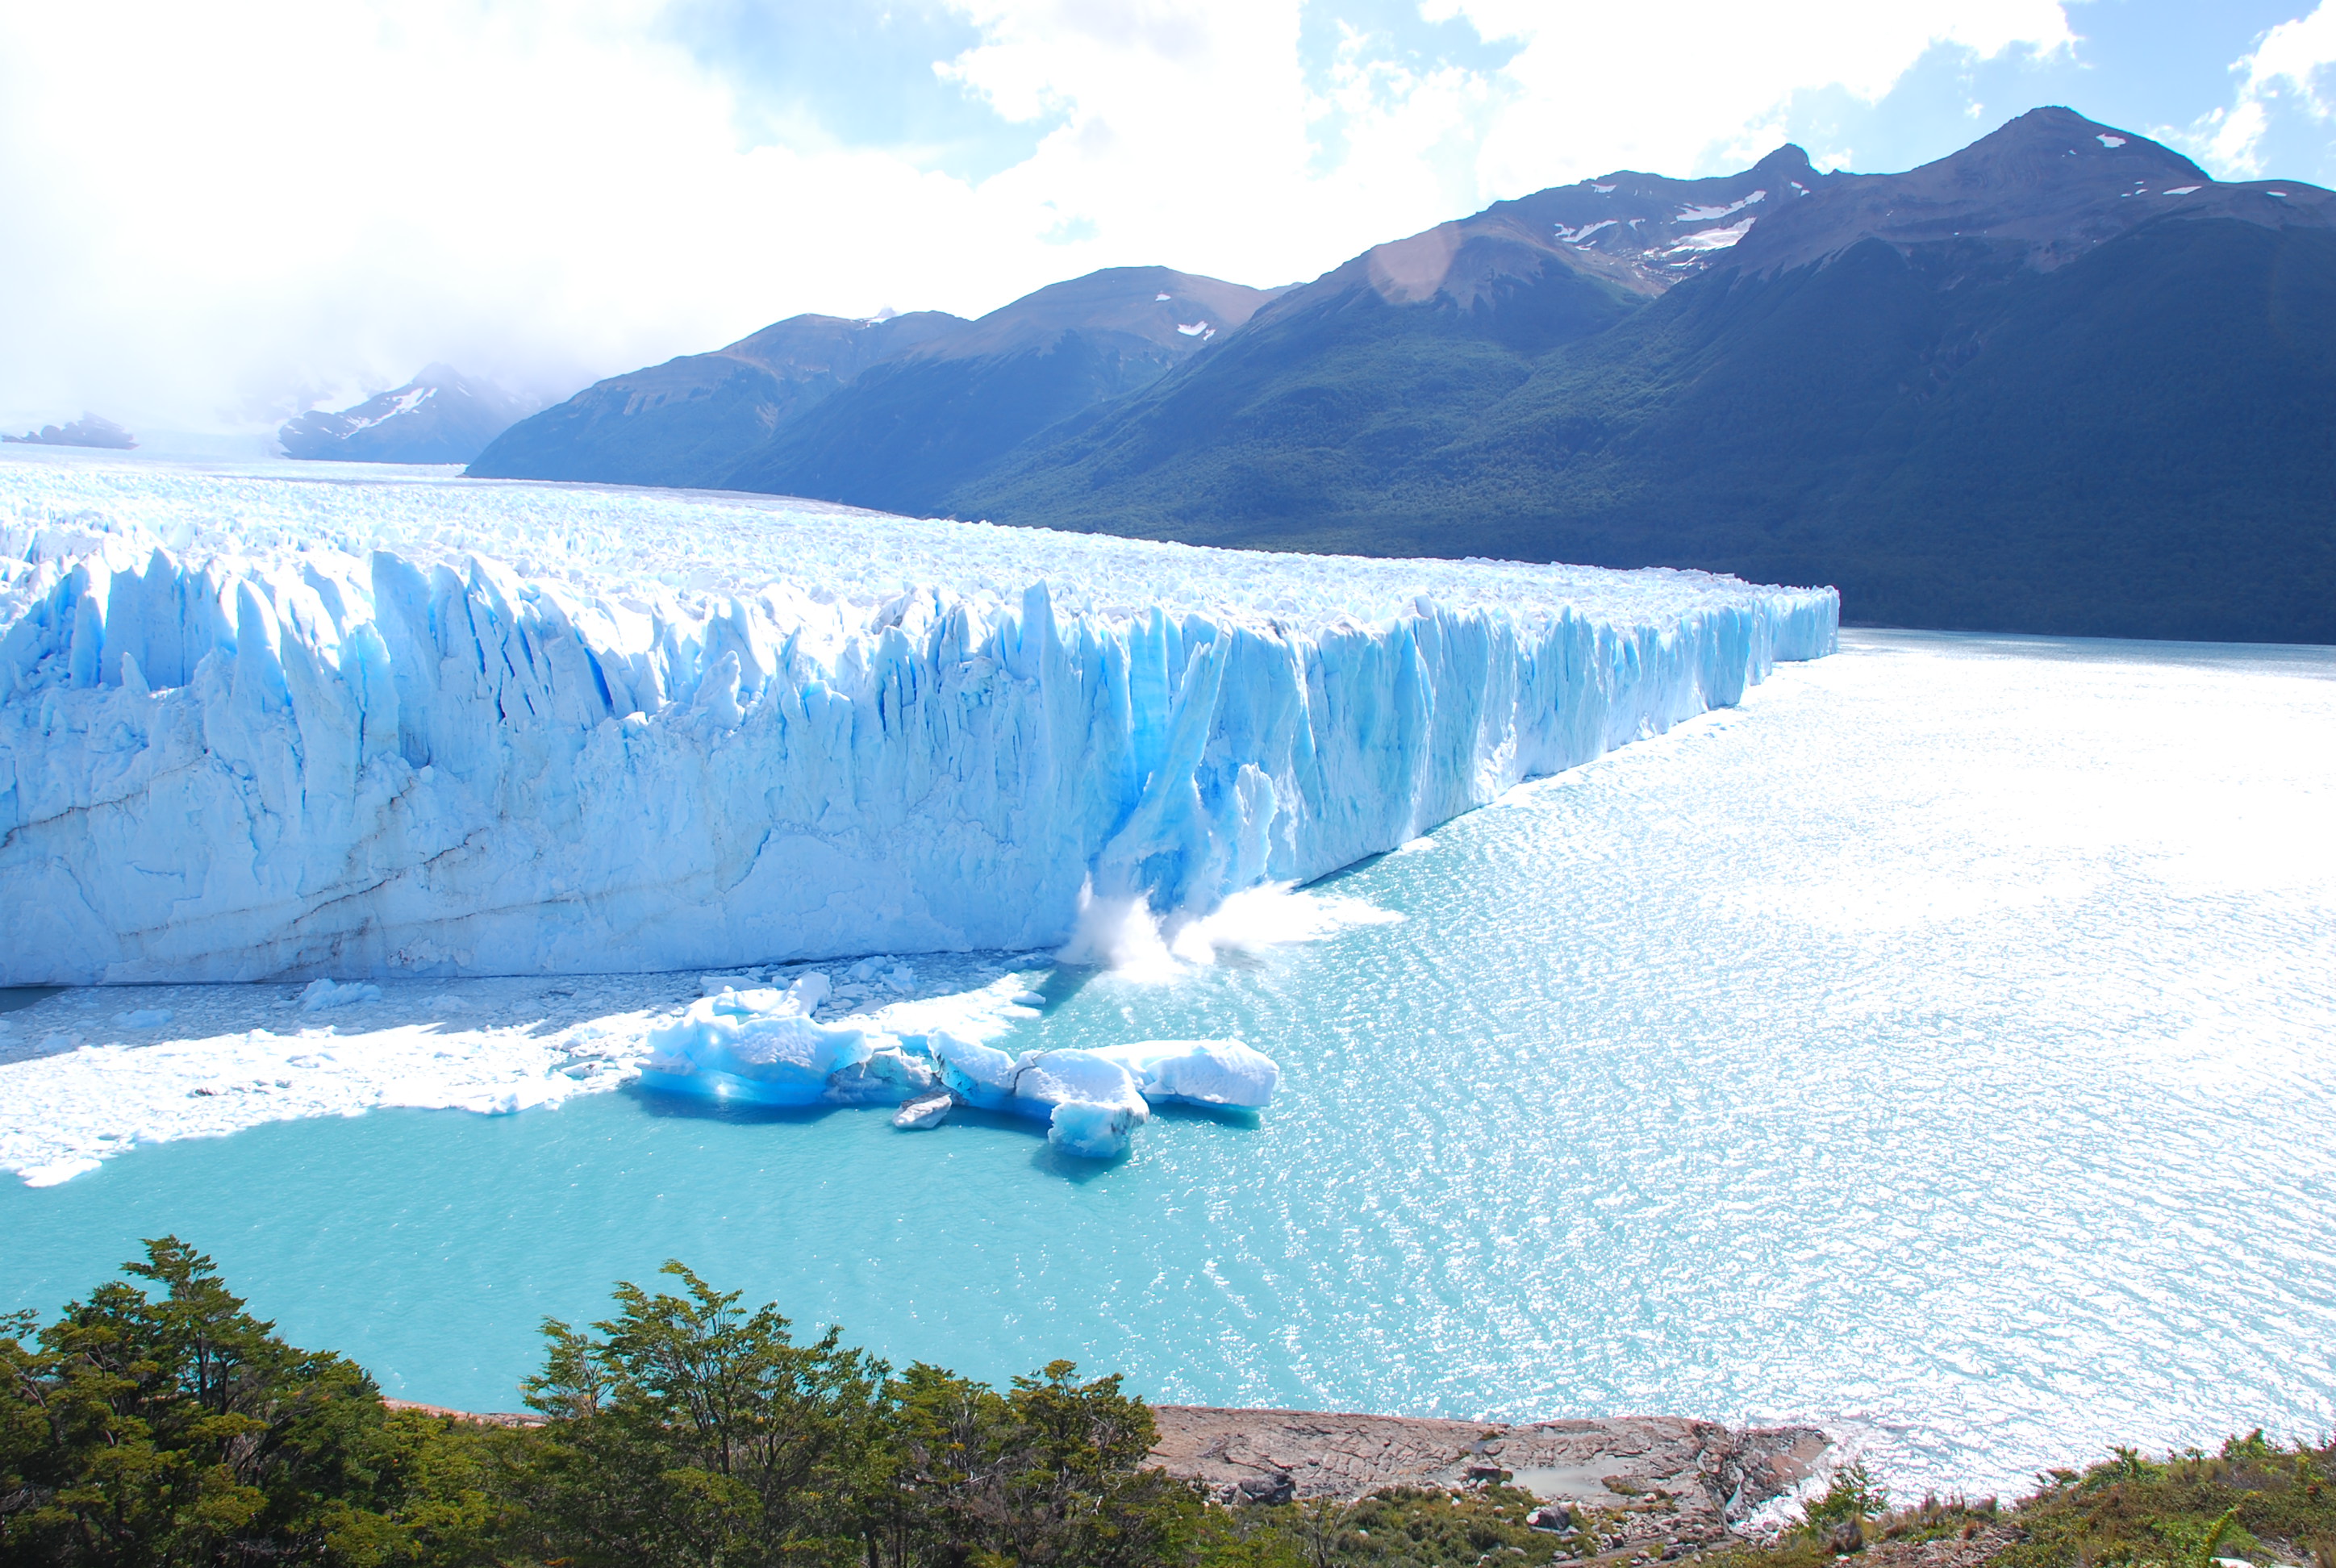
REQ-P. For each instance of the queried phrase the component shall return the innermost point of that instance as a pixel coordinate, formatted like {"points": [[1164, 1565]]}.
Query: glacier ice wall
{"points": [[367, 730]]}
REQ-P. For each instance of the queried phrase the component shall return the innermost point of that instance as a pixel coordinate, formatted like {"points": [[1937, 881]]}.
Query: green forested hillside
{"points": [[685, 422], [2140, 442], [2060, 381], [907, 435], [1299, 421]]}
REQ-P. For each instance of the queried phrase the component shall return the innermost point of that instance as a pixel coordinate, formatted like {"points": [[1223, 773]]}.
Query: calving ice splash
{"points": [[260, 727]]}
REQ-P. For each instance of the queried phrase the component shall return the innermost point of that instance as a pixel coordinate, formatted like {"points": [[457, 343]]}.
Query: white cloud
{"points": [[209, 208], [2285, 65], [1700, 87]]}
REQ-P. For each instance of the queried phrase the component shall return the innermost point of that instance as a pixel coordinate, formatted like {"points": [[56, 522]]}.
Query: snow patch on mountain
{"points": [[1713, 239], [1706, 214]]}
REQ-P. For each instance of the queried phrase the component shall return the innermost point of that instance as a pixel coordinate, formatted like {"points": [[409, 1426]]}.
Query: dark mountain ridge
{"points": [[2060, 381], [953, 395], [908, 433], [2047, 188], [687, 420]]}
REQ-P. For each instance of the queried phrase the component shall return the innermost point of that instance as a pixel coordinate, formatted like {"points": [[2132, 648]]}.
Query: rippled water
{"points": [[1937, 1047]]}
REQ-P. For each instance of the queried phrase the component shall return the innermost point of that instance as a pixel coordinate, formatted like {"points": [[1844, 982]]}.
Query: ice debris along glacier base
{"points": [[259, 726], [93, 1072]]}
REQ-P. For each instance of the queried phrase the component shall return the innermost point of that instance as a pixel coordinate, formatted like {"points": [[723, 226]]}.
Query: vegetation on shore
{"points": [[159, 1423]]}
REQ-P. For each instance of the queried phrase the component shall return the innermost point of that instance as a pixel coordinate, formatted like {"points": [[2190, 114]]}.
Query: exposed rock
{"points": [[1275, 1487], [476, 1418], [1704, 1475]]}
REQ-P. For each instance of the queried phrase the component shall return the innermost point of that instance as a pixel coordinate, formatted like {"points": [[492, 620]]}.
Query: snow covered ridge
{"points": [[259, 726]]}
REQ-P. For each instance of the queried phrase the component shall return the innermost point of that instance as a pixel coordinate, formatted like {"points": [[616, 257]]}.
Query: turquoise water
{"points": [[1937, 1047]]}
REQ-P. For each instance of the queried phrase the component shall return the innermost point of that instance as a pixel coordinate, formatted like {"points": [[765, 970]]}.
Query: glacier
{"points": [[256, 725]]}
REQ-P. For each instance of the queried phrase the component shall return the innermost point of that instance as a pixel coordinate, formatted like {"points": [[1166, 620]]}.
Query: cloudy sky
{"points": [[214, 214]]}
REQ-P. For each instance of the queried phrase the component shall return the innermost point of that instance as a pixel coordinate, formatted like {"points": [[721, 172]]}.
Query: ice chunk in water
{"points": [[928, 1111], [323, 994], [1093, 1100], [1198, 1072], [1092, 1104], [754, 1046], [1095, 1131]]}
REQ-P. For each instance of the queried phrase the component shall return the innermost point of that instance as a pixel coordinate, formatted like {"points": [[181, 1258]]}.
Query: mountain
{"points": [[1336, 385], [905, 434], [688, 421], [892, 412], [2060, 381], [89, 430], [440, 416]]}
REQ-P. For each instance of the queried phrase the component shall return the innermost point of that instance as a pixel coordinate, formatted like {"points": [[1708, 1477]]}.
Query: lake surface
{"points": [[1937, 1047]]}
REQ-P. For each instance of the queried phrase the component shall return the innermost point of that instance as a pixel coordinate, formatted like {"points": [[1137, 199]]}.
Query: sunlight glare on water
{"points": [[1936, 1047]]}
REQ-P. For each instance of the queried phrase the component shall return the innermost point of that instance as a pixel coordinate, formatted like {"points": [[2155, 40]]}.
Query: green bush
{"points": [[1852, 1498]]}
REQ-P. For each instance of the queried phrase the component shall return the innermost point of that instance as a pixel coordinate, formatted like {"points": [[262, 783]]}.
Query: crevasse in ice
{"points": [[260, 727]]}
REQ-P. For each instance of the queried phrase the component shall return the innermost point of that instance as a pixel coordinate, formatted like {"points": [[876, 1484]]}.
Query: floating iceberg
{"points": [[1092, 1100], [256, 727], [1198, 1072], [765, 1048], [323, 995]]}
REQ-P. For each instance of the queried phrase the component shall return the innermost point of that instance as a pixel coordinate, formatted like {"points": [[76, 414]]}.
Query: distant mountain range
{"points": [[895, 413], [440, 416], [89, 430], [2062, 381]]}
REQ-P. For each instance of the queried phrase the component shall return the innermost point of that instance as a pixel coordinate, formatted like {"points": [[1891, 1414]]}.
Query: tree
{"points": [[183, 1431], [692, 1431], [1047, 1473]]}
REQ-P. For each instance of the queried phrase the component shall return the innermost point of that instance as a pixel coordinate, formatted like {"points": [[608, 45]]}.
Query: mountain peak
{"points": [[440, 416], [2058, 146], [1159, 306], [1787, 161], [2039, 190], [1642, 232]]}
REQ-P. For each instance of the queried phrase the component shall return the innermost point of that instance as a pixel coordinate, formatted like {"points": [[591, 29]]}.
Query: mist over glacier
{"points": [[257, 725]]}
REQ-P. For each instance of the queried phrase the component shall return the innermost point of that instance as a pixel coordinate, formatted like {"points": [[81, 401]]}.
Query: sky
{"points": [[214, 217]]}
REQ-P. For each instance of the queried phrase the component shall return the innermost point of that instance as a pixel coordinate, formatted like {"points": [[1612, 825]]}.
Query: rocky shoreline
{"points": [[1650, 1479], [1662, 1481]]}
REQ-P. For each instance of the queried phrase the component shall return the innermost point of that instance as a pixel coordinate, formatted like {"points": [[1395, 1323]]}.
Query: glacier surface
{"points": [[258, 725]]}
